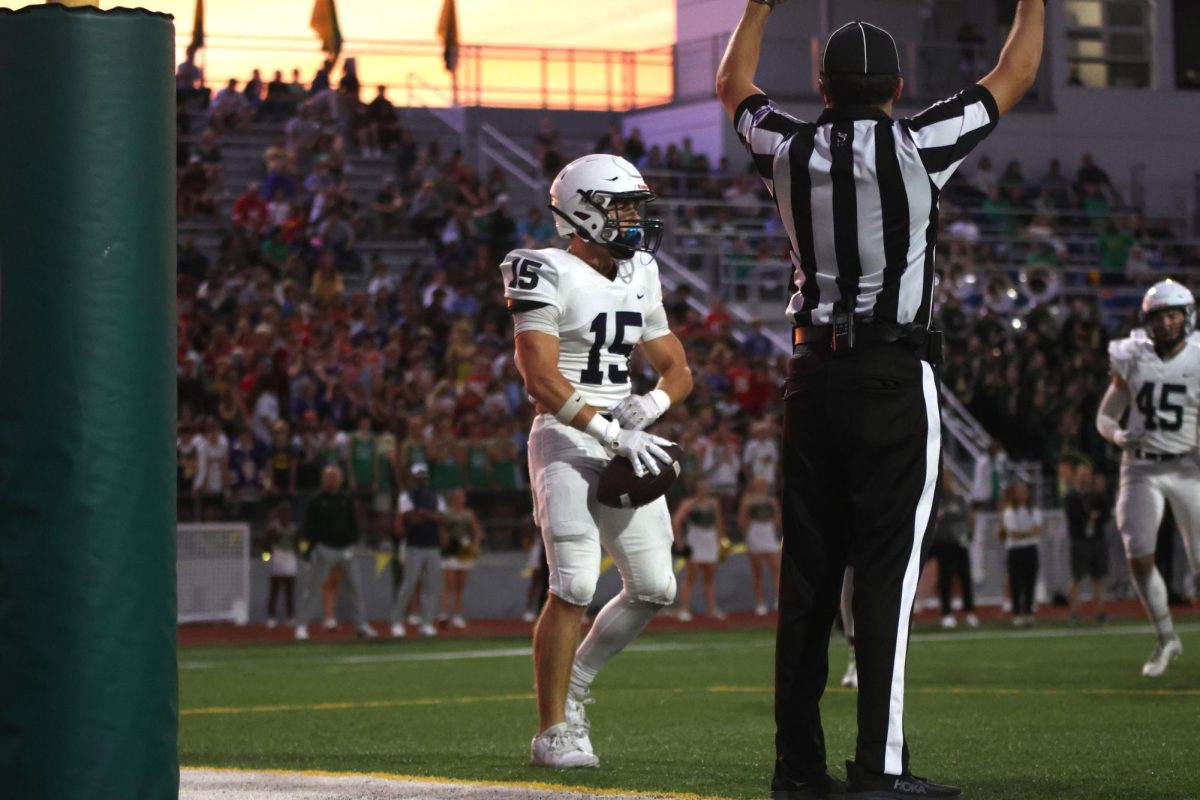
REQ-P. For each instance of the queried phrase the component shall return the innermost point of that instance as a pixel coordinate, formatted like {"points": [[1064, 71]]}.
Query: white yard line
{"points": [[525, 652], [445, 655]]}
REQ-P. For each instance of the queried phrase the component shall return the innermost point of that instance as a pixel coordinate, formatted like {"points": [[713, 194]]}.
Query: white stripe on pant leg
{"points": [[893, 760]]}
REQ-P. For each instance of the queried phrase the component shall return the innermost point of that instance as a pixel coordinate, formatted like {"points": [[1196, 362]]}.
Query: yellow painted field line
{"points": [[980, 690], [391, 776], [419, 701]]}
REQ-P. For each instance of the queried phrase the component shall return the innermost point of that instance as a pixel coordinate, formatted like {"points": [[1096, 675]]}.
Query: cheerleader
{"points": [[464, 536], [282, 547], [760, 518], [701, 516]]}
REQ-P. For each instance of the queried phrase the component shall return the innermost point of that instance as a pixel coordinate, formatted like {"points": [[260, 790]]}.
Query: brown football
{"points": [[620, 488]]}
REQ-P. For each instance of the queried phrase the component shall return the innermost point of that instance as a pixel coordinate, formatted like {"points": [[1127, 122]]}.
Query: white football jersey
{"points": [[1165, 395], [599, 320]]}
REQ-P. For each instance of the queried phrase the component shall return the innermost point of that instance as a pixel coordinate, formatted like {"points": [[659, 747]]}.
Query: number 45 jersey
{"points": [[1166, 394], [597, 320]]}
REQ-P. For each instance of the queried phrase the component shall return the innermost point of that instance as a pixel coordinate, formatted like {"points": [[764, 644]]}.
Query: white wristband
{"points": [[661, 399], [570, 409], [603, 430]]}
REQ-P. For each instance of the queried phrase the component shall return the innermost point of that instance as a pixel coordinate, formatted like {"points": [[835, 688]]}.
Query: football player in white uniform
{"points": [[1160, 373], [577, 315]]}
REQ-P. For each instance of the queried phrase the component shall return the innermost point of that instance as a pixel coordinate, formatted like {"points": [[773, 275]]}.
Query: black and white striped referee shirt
{"points": [[858, 195]]}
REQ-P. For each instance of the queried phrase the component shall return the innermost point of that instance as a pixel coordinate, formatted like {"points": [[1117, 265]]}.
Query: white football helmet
{"points": [[1166, 295], [583, 194]]}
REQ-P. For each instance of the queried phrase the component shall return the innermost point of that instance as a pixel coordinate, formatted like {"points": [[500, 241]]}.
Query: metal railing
{"points": [[518, 162], [576, 78], [421, 94], [681, 189], [487, 75]]}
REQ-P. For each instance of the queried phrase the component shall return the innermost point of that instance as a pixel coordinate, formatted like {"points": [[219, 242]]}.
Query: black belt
{"points": [[1146, 456], [925, 343]]}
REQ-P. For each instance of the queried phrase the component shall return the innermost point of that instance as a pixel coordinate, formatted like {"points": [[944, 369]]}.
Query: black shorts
{"points": [[1089, 559]]}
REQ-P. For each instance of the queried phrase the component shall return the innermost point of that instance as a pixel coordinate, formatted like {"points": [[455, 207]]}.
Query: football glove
{"points": [[639, 411], [644, 450]]}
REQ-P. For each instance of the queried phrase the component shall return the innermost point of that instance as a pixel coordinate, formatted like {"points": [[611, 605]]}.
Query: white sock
{"points": [[617, 624], [1153, 590]]}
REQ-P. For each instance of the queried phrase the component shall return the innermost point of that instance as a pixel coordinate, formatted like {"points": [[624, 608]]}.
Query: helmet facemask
{"points": [[1161, 337], [626, 229]]}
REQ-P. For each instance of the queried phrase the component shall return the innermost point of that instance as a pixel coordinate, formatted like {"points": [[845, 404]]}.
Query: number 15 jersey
{"points": [[1165, 394], [597, 320]]}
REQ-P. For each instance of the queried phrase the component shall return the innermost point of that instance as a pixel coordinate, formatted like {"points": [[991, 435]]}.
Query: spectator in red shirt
{"points": [[758, 392], [250, 210], [718, 318]]}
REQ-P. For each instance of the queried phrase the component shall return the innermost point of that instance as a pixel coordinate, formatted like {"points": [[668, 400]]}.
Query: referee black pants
{"points": [[861, 481]]}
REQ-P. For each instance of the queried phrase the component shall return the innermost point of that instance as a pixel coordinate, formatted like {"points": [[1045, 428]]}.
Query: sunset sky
{"points": [[612, 24]]}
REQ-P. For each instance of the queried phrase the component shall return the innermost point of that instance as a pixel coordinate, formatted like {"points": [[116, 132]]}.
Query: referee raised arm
{"points": [[858, 194]]}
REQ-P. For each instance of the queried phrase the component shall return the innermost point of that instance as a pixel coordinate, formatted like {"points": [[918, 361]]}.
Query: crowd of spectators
{"points": [[1026, 268], [284, 370]]}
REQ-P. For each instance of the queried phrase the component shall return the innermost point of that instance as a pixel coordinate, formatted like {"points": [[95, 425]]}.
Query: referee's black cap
{"points": [[860, 48]]}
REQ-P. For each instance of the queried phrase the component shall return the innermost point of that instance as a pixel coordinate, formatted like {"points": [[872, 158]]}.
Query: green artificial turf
{"points": [[1006, 716]]}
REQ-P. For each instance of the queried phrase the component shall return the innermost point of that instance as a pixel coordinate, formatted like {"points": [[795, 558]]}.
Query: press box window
{"points": [[1109, 43]]}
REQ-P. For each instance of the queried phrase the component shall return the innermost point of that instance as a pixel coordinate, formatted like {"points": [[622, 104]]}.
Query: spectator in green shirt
{"points": [[477, 457], [1113, 252], [446, 457]]}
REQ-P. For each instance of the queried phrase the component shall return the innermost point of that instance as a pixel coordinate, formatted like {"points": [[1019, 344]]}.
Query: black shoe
{"points": [[863, 785], [825, 787]]}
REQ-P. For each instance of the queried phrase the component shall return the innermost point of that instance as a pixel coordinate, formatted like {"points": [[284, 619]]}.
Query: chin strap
{"points": [[1162, 348]]}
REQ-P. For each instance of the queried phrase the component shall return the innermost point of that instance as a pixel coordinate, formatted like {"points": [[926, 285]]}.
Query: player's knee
{"points": [[575, 586], [658, 588], [1141, 565], [574, 559]]}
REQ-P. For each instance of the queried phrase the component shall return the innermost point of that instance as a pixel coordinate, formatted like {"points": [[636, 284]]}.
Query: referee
{"points": [[858, 194]]}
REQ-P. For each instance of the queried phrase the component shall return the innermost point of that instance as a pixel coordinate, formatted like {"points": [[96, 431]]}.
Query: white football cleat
{"points": [[413, 619], [850, 679], [718, 614], [330, 624], [577, 720], [271, 623], [558, 746], [398, 631], [949, 622], [457, 621], [301, 633], [760, 610], [365, 631], [1164, 653], [529, 616], [972, 621], [684, 616], [428, 631]]}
